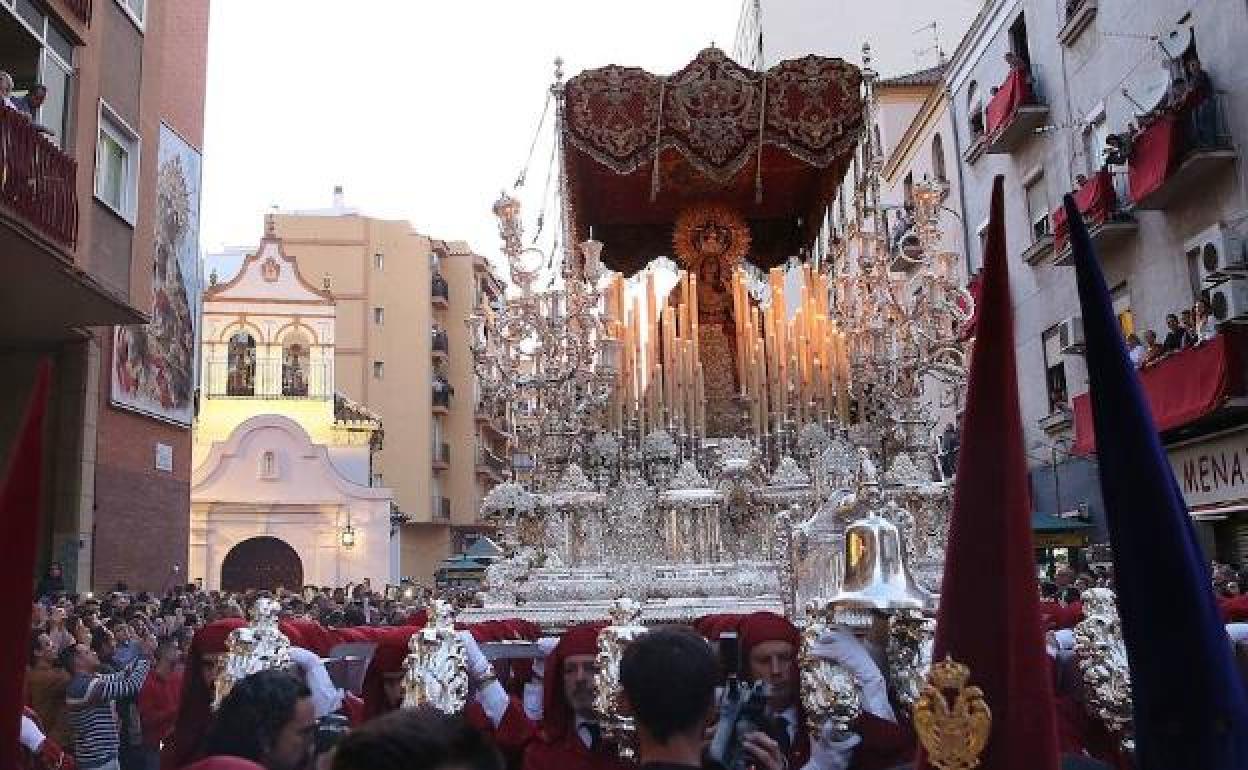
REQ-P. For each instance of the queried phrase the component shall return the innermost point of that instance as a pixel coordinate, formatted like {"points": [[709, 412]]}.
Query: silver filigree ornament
{"points": [[830, 695], [608, 692], [910, 640], [1102, 660], [256, 647], [435, 672]]}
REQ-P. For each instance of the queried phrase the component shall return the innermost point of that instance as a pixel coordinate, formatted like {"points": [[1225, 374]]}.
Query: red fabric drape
{"points": [[1184, 387], [1014, 93], [19, 527], [993, 626], [1152, 157], [1096, 199]]}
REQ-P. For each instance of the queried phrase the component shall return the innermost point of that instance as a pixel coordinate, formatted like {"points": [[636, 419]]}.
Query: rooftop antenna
{"points": [[935, 47]]}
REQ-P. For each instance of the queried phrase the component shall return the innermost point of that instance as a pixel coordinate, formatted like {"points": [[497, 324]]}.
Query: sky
{"points": [[426, 110]]}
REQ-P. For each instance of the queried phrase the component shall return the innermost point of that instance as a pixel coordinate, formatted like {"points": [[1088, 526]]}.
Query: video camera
{"points": [[742, 710]]}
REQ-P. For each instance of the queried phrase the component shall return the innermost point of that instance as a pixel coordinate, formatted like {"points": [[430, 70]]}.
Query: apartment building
{"points": [[1167, 216], [99, 229], [402, 351]]}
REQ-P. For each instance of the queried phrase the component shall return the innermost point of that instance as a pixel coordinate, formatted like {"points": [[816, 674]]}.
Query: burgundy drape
{"points": [[1014, 93], [1096, 201], [19, 532], [1184, 387], [1152, 156], [989, 617]]}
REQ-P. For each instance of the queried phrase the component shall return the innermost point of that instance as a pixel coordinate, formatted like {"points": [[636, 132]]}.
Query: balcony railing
{"points": [[442, 391], [1171, 159], [441, 290], [81, 9], [267, 378], [1014, 113], [442, 454], [37, 179], [491, 462], [441, 510], [441, 341], [1079, 14]]}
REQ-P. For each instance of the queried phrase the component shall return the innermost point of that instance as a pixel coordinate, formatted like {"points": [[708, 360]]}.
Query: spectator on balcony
{"points": [[1136, 350], [1117, 150], [29, 105], [1204, 324], [1177, 337], [6, 91], [1195, 97], [1018, 64], [1154, 352]]}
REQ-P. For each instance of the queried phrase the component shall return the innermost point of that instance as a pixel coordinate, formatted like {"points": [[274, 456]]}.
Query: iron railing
{"points": [[37, 179], [246, 377]]}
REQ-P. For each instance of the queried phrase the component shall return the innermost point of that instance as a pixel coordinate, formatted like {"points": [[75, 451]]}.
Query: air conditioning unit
{"points": [[1229, 300], [1219, 255], [1070, 336]]}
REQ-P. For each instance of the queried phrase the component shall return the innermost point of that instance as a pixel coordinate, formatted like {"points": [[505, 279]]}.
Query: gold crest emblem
{"points": [[951, 718]]}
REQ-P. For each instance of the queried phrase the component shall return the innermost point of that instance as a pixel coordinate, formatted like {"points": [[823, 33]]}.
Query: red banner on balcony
{"points": [[1014, 93], [1152, 157], [1181, 388], [37, 179], [1096, 199]]}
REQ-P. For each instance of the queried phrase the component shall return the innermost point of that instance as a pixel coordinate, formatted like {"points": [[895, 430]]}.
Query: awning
{"points": [[1049, 531], [1182, 388], [1047, 522], [773, 146]]}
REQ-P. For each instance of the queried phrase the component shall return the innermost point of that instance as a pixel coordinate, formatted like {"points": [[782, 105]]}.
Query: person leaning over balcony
{"points": [[6, 91], [29, 105], [1177, 337], [1153, 352], [1204, 325], [1196, 97]]}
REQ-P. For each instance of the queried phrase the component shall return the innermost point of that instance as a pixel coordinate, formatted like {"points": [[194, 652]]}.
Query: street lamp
{"points": [[347, 536]]}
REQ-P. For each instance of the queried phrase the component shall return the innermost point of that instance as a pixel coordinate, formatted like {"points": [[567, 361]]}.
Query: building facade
{"points": [[1167, 216], [283, 489], [402, 352], [98, 224]]}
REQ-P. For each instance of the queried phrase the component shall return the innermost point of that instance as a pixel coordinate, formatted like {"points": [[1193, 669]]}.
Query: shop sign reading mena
{"points": [[1212, 472]]}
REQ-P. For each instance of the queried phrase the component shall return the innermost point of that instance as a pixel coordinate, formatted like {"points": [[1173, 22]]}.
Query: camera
{"points": [[742, 710], [330, 730]]}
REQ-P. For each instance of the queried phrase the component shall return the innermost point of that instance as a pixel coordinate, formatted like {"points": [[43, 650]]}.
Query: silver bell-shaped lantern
{"points": [[876, 574]]}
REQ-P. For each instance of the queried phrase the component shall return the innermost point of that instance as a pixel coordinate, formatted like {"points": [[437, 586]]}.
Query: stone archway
{"points": [[262, 563]]}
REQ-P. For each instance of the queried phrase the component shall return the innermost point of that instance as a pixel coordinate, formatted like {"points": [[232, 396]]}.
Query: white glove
{"points": [[31, 736], [534, 692], [832, 751], [326, 699], [1065, 639], [479, 666], [1238, 632], [840, 646]]}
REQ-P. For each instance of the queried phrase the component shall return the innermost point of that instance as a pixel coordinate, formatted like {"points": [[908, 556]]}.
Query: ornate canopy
{"points": [[773, 146]]}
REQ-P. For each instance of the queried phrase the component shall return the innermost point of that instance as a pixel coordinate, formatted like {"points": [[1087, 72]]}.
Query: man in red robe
{"points": [[569, 737]]}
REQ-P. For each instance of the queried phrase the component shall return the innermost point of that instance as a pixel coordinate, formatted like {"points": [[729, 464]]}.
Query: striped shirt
{"points": [[93, 714]]}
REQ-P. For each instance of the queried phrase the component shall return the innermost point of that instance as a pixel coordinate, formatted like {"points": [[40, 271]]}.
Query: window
{"points": [[379, 316], [879, 141], [1121, 299], [116, 164], [241, 362], [982, 232], [136, 10], [379, 370], [974, 111], [379, 261], [938, 159], [296, 364], [1095, 135], [1018, 39], [1038, 207], [44, 56], [268, 465], [1055, 370]]}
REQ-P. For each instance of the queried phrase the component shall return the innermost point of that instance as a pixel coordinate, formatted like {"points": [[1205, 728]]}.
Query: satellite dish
{"points": [[1148, 89], [1176, 40]]}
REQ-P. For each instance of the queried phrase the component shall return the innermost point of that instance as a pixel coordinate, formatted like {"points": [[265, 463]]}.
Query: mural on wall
{"points": [[154, 365]]}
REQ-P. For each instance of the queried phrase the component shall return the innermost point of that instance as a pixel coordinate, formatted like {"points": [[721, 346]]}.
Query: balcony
{"points": [[490, 465], [491, 417], [441, 456], [441, 508], [1079, 16], [1014, 114], [1192, 392], [442, 392], [441, 343], [267, 378], [976, 151], [1040, 248], [440, 290], [81, 9], [37, 180], [1169, 163], [1108, 224]]}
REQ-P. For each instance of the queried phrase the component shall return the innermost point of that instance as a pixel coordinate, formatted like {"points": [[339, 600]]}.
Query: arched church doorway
{"points": [[262, 563]]}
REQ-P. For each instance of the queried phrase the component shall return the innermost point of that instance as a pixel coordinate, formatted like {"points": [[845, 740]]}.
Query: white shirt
{"points": [[583, 731], [1208, 329], [1137, 355]]}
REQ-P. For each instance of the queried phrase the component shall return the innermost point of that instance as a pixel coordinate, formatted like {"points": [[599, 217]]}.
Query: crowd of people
{"points": [[126, 681], [1190, 100], [1187, 329]]}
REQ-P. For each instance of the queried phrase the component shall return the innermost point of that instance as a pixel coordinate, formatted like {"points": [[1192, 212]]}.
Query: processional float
{"points": [[758, 436]]}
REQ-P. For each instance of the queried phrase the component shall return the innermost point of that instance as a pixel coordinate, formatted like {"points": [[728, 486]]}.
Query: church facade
{"points": [[281, 492]]}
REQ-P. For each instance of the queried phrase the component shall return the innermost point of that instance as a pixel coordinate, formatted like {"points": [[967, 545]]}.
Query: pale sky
{"points": [[422, 110]]}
